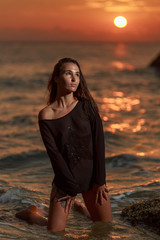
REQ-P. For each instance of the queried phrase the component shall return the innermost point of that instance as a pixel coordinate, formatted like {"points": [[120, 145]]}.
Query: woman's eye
{"points": [[68, 73]]}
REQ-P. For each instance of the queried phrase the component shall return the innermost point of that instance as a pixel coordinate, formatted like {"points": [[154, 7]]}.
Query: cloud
{"points": [[125, 5]]}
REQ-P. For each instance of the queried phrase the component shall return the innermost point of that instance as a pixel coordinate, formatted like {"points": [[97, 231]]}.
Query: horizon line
{"points": [[77, 41]]}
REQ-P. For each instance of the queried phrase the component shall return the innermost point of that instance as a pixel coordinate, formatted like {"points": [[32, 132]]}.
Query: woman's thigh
{"points": [[57, 216], [98, 212]]}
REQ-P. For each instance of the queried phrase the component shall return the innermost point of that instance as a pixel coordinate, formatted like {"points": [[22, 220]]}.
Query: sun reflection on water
{"points": [[118, 102], [121, 50], [120, 126], [122, 66], [140, 154], [140, 123]]}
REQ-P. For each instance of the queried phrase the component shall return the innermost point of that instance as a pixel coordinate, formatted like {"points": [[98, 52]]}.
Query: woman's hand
{"points": [[101, 193], [69, 202]]}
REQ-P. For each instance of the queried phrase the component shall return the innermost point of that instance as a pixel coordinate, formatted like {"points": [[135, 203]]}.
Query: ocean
{"points": [[127, 92]]}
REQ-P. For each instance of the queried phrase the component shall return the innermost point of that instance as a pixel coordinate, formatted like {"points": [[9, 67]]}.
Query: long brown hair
{"points": [[82, 92]]}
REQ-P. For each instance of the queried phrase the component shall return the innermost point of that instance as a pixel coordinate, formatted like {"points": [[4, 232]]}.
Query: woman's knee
{"points": [[98, 212], [57, 216]]}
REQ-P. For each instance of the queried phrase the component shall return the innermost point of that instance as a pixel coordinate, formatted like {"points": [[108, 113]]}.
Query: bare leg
{"points": [[32, 215], [57, 217], [98, 212], [79, 207]]}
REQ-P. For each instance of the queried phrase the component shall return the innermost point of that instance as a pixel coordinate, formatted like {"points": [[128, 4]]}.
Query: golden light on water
{"points": [[118, 102], [76, 236], [119, 126], [118, 94], [141, 154], [140, 123], [105, 118], [124, 126], [122, 65], [120, 22]]}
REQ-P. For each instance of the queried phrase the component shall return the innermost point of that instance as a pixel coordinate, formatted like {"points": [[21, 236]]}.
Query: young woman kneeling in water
{"points": [[72, 132]]}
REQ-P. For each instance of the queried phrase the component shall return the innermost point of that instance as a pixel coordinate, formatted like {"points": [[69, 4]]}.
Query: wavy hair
{"points": [[82, 91]]}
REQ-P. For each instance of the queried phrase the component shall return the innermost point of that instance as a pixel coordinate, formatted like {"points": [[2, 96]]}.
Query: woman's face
{"points": [[69, 77]]}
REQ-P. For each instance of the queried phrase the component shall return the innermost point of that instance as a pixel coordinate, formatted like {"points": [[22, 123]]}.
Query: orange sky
{"points": [[83, 20]]}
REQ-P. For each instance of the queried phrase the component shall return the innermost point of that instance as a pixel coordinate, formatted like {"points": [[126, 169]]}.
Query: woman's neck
{"points": [[64, 101]]}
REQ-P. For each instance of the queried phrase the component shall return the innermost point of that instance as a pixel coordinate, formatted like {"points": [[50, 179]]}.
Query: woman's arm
{"points": [[98, 150], [67, 182], [99, 170]]}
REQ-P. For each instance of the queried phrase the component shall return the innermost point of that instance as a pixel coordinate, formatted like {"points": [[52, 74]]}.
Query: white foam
{"points": [[10, 195], [15, 194]]}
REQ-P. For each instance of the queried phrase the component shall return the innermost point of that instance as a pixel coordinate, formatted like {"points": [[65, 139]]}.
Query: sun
{"points": [[120, 22]]}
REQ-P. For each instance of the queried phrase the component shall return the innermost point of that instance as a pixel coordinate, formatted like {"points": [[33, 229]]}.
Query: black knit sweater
{"points": [[75, 146]]}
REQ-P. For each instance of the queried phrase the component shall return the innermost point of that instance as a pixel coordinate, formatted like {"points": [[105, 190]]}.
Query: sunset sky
{"points": [[83, 20]]}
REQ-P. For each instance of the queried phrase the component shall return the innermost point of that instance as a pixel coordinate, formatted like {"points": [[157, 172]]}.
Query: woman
{"points": [[72, 133]]}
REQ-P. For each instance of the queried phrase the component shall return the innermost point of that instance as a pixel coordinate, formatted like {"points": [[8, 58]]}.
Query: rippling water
{"points": [[128, 96]]}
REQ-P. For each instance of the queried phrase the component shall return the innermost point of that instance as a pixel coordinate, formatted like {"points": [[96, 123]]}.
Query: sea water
{"points": [[127, 92]]}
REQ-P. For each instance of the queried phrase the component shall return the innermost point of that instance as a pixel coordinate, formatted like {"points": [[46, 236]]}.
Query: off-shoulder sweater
{"points": [[76, 148]]}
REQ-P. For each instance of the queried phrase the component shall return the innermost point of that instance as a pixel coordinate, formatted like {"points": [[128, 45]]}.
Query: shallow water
{"points": [[127, 93]]}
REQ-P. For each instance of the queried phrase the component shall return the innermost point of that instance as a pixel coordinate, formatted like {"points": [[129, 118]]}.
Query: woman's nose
{"points": [[73, 78]]}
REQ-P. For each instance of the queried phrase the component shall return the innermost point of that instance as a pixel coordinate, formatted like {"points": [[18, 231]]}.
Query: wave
{"points": [[25, 82], [25, 196], [14, 231], [129, 161], [15, 194], [134, 195], [19, 119], [24, 158], [36, 156], [123, 161]]}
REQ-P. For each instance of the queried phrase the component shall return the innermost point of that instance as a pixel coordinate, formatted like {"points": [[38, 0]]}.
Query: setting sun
{"points": [[120, 21]]}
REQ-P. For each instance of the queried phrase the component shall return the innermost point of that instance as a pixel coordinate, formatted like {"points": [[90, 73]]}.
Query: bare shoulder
{"points": [[45, 113]]}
